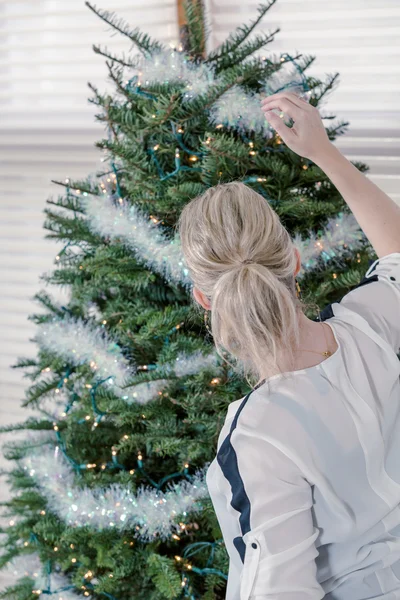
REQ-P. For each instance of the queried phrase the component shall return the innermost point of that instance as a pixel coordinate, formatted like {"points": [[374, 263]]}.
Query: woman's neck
{"points": [[315, 338]]}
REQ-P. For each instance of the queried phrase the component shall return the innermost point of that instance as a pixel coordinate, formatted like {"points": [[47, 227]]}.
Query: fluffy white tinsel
{"points": [[339, 230], [148, 513], [161, 255], [182, 366], [242, 111], [79, 342], [172, 66], [136, 230], [235, 108]]}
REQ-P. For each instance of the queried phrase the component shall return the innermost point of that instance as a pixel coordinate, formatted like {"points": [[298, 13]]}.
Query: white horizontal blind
{"points": [[359, 39], [47, 131]]}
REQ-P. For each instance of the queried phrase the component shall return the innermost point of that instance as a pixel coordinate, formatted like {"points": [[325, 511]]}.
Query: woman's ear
{"points": [[298, 261], [201, 299]]}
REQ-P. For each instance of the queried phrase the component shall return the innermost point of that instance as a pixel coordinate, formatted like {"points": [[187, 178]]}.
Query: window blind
{"points": [[47, 131]]}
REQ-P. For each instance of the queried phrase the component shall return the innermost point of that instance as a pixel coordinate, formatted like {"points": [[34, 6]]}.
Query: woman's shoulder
{"points": [[269, 411]]}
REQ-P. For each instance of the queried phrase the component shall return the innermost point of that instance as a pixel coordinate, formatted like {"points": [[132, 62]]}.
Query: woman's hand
{"points": [[307, 137]]}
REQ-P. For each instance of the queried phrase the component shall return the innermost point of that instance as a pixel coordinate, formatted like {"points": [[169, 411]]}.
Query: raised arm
{"points": [[376, 213]]}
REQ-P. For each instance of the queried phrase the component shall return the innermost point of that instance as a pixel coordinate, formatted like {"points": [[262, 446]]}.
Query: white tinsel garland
{"points": [[182, 366], [148, 513], [137, 231], [150, 244], [238, 109], [79, 343], [339, 231], [172, 66]]}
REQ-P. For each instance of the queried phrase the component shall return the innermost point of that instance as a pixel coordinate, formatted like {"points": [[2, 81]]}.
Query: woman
{"points": [[306, 480]]}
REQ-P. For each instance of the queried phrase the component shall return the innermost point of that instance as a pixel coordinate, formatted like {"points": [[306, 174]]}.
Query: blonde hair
{"points": [[253, 305]]}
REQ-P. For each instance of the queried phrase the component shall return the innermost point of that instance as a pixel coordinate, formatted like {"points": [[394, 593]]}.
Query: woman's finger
{"points": [[276, 122], [283, 104], [294, 98]]}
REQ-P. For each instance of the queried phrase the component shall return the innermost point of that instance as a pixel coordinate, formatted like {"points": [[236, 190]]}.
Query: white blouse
{"points": [[306, 480]]}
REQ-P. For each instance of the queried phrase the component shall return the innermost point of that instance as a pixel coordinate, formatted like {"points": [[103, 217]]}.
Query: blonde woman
{"points": [[306, 480]]}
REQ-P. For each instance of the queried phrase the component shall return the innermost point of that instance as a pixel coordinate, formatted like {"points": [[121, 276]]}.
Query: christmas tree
{"points": [[109, 494]]}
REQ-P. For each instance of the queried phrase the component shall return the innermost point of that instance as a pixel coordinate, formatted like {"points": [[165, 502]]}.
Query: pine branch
{"points": [[194, 11], [245, 51], [143, 41], [74, 186], [239, 35], [328, 86], [65, 228], [107, 54], [48, 303], [69, 202], [117, 79], [23, 363]]}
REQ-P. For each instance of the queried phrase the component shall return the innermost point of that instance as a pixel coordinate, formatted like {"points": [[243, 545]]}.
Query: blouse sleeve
{"points": [[377, 298], [279, 561]]}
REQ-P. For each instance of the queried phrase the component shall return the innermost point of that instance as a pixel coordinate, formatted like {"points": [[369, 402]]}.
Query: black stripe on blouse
{"points": [[227, 460]]}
